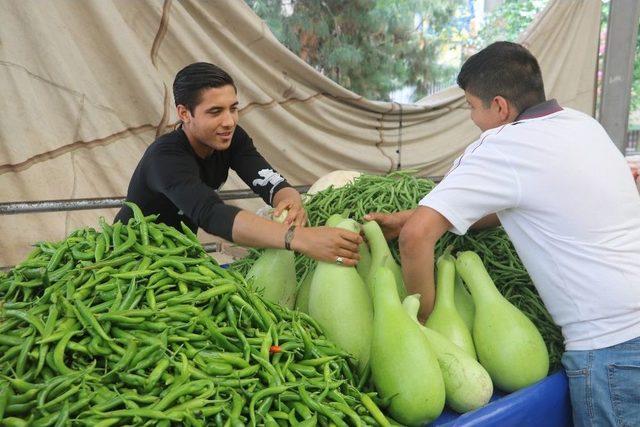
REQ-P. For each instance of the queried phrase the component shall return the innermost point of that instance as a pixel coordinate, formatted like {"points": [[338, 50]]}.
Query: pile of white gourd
{"points": [[470, 342]]}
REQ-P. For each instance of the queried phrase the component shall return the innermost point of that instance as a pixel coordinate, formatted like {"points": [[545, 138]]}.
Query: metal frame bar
{"points": [[13, 208], [41, 206]]}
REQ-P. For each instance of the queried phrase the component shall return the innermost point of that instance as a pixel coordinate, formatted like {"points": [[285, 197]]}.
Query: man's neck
{"points": [[541, 109], [200, 149]]}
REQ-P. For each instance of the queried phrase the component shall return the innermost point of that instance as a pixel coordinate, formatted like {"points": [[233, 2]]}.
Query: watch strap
{"points": [[288, 237]]}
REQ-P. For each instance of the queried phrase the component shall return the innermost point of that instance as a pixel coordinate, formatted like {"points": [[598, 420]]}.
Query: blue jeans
{"points": [[605, 385]]}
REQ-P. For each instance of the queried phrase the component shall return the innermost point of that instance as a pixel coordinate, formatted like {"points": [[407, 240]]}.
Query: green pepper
{"points": [[139, 217]]}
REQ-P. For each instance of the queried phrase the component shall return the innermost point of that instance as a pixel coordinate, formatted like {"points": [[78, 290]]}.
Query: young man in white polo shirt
{"points": [[563, 193]]}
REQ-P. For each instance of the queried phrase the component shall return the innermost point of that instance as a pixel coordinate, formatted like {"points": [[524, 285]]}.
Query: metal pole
{"points": [[622, 31], [39, 206], [11, 208]]}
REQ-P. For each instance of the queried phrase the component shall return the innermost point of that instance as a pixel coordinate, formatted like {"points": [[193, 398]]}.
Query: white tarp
{"points": [[86, 87]]}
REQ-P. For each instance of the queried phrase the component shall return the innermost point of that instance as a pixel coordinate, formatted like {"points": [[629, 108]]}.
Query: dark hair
{"points": [[193, 79], [503, 69]]}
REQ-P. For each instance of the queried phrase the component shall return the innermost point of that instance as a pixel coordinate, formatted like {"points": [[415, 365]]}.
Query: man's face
{"points": [[213, 120], [484, 117]]}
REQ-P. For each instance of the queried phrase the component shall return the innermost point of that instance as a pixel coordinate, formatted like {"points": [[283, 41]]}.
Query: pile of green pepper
{"points": [[135, 324]]}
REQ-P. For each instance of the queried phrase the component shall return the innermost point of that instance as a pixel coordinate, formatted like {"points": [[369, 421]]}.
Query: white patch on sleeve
{"points": [[268, 177]]}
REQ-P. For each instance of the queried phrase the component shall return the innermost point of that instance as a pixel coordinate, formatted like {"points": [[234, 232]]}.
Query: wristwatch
{"points": [[288, 237]]}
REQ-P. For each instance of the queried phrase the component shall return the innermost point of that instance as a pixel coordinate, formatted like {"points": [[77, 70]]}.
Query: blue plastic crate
{"points": [[545, 403]]}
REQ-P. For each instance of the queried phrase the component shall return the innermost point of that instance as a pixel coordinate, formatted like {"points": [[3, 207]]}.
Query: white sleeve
{"points": [[480, 183]]}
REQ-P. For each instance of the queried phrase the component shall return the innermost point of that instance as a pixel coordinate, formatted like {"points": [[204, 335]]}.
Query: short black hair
{"points": [[503, 69], [194, 78]]}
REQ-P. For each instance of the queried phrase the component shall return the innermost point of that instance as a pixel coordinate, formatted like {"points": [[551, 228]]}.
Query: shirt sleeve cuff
{"points": [[274, 190], [459, 226]]}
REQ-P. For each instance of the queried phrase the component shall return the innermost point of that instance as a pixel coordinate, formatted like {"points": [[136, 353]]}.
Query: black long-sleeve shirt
{"points": [[172, 181]]}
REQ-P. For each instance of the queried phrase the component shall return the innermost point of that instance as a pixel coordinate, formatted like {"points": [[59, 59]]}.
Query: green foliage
{"points": [[511, 18], [374, 47], [371, 47], [507, 22], [635, 84]]}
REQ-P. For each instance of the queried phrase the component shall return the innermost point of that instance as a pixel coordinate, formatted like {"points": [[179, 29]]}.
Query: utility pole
{"points": [[622, 31]]}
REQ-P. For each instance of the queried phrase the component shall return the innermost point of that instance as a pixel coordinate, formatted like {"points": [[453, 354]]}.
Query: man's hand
{"points": [[391, 224], [321, 243], [327, 244], [289, 199], [417, 245]]}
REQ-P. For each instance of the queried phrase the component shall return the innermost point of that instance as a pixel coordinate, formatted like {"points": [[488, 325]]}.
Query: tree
{"points": [[371, 47], [506, 22], [514, 16]]}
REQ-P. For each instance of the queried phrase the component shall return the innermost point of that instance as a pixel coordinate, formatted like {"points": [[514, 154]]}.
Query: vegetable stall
{"points": [[401, 190], [136, 324]]}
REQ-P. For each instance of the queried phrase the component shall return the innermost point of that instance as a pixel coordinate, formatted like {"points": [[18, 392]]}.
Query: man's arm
{"points": [[417, 244], [262, 178], [321, 243], [175, 174], [488, 221], [254, 169]]}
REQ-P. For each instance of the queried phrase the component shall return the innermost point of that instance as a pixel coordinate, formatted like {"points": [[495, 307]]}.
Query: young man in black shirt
{"points": [[179, 173]]}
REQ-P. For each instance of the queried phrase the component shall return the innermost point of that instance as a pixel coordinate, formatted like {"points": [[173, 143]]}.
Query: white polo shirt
{"points": [[565, 196]]}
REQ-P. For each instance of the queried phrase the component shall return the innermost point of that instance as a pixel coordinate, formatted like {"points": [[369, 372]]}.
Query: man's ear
{"points": [[183, 113], [505, 109]]}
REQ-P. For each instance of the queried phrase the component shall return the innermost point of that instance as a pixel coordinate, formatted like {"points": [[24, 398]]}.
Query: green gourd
{"points": [[508, 344], [404, 368], [381, 256], [364, 264], [467, 384], [302, 299], [334, 220], [445, 318], [464, 303], [365, 256], [274, 273], [340, 303]]}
